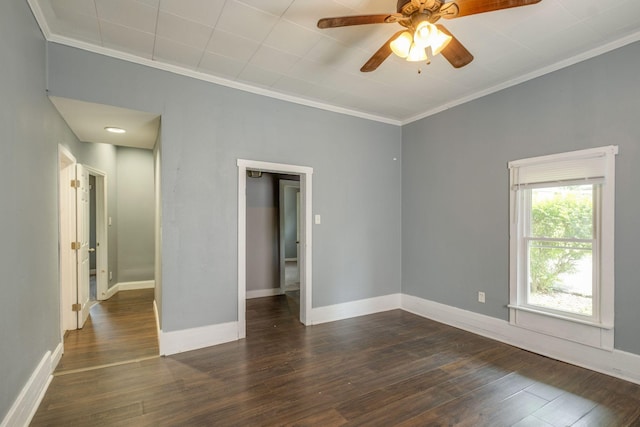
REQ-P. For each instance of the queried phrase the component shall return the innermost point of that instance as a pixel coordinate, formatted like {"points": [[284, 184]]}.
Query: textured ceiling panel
{"points": [[275, 45]]}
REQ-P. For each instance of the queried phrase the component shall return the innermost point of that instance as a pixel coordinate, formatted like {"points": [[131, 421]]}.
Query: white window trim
{"points": [[598, 333]]}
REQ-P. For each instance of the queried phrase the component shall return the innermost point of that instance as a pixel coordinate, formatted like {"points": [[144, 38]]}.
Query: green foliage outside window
{"points": [[561, 213]]}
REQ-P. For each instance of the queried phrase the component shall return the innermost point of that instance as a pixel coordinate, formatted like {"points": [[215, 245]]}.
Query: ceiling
{"points": [[273, 47], [88, 122]]}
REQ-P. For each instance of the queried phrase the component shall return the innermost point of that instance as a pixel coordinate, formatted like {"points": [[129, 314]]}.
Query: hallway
{"points": [[120, 329]]}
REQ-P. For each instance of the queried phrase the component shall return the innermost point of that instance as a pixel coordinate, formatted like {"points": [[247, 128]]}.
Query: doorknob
{"points": [[92, 249]]}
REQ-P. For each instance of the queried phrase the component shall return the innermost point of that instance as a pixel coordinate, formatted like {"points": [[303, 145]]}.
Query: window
{"points": [[561, 245]]}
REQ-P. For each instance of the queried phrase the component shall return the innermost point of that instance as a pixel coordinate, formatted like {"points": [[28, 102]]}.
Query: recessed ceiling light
{"points": [[114, 129]]}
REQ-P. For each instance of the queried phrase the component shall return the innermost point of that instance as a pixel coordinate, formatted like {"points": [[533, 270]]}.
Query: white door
{"points": [[82, 237], [68, 265]]}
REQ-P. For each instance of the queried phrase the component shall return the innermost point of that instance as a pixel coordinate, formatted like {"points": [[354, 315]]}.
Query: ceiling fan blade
{"points": [[472, 7], [344, 21], [379, 57], [455, 52]]}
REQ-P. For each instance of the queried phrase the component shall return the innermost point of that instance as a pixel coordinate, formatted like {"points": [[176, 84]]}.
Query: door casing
{"points": [[102, 241], [305, 259]]}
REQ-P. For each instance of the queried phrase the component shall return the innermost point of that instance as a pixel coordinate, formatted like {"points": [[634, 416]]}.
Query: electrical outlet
{"points": [[111, 275], [481, 297]]}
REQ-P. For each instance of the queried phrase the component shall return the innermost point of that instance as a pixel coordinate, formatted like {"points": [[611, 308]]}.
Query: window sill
{"points": [[561, 317], [596, 335]]}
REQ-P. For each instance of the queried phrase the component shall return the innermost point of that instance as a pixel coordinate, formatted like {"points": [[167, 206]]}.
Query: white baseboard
{"points": [[27, 402], [157, 316], [192, 339], [350, 309], [259, 293], [56, 356], [129, 286], [141, 284], [615, 363]]}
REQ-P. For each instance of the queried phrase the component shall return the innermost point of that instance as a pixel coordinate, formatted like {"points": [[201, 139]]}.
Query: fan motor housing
{"points": [[401, 4]]}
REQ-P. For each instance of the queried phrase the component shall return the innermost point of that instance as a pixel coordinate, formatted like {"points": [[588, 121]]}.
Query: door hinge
{"points": [[75, 245], [75, 183], [76, 307]]}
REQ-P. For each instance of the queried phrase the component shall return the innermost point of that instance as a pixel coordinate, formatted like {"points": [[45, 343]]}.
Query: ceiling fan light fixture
{"points": [[402, 44], [439, 42], [424, 34], [417, 53], [428, 35]]}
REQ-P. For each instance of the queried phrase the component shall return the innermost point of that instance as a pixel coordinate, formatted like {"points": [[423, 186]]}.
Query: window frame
{"points": [[527, 237], [596, 330]]}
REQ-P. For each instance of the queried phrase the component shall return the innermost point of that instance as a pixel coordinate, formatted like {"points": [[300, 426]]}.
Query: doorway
{"points": [[304, 260], [100, 325], [98, 229], [289, 216], [76, 246]]}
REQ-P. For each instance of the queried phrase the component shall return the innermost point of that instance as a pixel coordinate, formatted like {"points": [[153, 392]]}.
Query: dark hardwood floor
{"points": [[391, 368], [120, 329]]}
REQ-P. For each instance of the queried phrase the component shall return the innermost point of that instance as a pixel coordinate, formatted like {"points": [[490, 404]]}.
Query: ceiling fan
{"points": [[421, 36]]}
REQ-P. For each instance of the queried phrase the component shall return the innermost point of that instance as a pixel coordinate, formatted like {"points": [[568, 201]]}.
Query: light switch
{"points": [[317, 219]]}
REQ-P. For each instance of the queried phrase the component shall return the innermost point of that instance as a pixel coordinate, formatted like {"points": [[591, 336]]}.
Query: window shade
{"points": [[578, 167]]}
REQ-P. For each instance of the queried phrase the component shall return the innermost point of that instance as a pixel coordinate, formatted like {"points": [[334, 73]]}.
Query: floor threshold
{"points": [[107, 365]]}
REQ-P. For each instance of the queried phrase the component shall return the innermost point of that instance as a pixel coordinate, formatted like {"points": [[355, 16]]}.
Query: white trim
{"points": [[40, 18], [569, 330], [26, 404], [305, 262], [587, 153], [615, 363], [260, 293], [102, 232], [140, 284], [607, 47], [56, 355], [357, 308], [157, 316], [111, 291], [194, 338], [592, 53], [42, 22], [598, 331], [129, 286], [559, 315], [242, 251]]}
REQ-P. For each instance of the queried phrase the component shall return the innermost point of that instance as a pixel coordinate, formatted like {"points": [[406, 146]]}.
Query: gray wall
{"points": [[205, 129], [135, 214], [30, 130], [455, 185], [263, 233], [130, 204]]}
